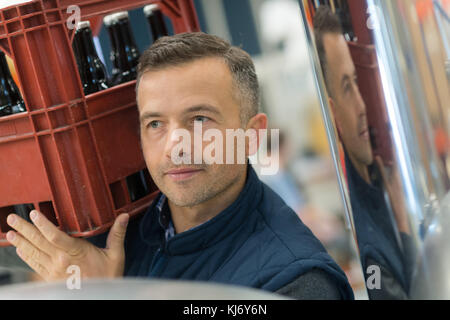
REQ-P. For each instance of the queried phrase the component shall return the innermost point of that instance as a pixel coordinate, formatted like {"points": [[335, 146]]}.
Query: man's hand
{"points": [[49, 251]]}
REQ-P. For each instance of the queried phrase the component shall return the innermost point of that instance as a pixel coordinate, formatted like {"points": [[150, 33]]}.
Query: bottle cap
{"points": [[148, 10], [115, 17], [83, 25]]}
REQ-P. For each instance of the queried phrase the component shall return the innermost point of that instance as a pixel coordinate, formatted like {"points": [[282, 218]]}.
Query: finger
{"points": [[54, 236], [30, 232], [36, 259], [116, 236]]}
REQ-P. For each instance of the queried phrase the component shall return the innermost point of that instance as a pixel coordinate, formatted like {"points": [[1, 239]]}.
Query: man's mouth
{"points": [[364, 134], [182, 173]]}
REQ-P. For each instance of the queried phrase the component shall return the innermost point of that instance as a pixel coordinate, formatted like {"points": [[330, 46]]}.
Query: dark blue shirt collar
{"points": [[206, 234]]}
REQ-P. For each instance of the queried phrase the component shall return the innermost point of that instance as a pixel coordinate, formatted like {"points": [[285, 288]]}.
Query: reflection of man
{"points": [[376, 230], [215, 223]]}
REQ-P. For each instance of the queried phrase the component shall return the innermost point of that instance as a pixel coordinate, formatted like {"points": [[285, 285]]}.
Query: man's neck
{"points": [[362, 169], [185, 218]]}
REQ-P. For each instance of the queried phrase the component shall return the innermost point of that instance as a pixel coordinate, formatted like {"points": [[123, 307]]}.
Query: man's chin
{"points": [[182, 185], [366, 158], [183, 200], [369, 159], [367, 155]]}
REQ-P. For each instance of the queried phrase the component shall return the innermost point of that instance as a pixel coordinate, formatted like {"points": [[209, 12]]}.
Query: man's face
{"points": [[177, 98], [348, 107]]}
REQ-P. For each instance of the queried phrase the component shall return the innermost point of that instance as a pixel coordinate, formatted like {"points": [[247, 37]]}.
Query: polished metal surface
{"points": [[134, 289], [397, 179]]}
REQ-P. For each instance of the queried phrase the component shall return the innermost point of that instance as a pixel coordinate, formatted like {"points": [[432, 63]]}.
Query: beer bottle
{"points": [[343, 12], [137, 186], [11, 101], [156, 20], [124, 53], [91, 68], [23, 211]]}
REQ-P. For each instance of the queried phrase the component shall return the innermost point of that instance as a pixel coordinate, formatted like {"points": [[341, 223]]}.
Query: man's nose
{"points": [[177, 136], [361, 105]]}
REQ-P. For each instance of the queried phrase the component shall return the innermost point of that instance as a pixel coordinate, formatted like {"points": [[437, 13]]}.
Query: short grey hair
{"points": [[188, 47]]}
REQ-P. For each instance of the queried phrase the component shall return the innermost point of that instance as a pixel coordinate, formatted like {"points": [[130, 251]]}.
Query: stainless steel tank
{"points": [[134, 289], [384, 88]]}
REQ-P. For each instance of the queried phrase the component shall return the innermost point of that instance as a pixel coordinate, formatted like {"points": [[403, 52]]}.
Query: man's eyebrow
{"points": [[149, 114], [202, 107]]}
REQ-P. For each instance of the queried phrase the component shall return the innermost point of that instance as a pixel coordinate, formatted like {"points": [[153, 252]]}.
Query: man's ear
{"points": [[332, 106], [254, 127], [333, 112]]}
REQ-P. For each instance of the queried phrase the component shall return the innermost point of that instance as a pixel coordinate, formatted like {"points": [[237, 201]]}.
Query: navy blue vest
{"points": [[258, 241], [374, 227]]}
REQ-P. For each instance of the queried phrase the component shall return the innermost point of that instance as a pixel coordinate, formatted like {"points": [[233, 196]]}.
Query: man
{"points": [[376, 231], [211, 222]]}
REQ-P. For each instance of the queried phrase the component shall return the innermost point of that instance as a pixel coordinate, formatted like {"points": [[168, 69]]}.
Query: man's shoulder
{"points": [[288, 247], [285, 227]]}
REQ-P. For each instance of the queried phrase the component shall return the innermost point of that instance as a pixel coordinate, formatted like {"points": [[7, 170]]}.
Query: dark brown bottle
{"points": [[11, 101], [137, 186], [343, 12], [23, 211], [155, 18], [124, 51], [91, 68]]}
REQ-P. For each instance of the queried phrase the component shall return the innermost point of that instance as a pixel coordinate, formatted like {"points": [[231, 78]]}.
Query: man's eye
{"points": [[346, 88], [201, 119], [154, 124]]}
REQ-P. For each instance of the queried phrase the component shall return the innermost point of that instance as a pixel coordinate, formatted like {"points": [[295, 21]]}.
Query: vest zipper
{"points": [[157, 263]]}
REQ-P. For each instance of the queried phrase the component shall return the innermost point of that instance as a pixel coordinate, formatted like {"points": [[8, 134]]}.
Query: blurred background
{"points": [[272, 32]]}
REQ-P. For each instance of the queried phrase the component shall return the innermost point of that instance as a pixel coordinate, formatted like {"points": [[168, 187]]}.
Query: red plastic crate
{"points": [[369, 82], [366, 63], [69, 155]]}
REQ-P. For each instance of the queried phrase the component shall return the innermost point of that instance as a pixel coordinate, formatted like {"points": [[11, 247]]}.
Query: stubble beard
{"points": [[192, 193]]}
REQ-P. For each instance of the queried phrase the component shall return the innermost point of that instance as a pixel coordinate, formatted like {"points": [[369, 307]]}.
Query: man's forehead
{"points": [[336, 47], [201, 66], [205, 72], [339, 60], [204, 81]]}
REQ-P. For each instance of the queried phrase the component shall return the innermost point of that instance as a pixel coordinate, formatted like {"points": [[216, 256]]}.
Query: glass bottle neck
{"points": [[124, 54], [127, 35], [10, 100], [157, 24], [4, 69], [85, 43], [91, 68]]}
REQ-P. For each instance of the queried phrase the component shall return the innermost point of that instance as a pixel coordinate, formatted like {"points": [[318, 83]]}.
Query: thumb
{"points": [[116, 235]]}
